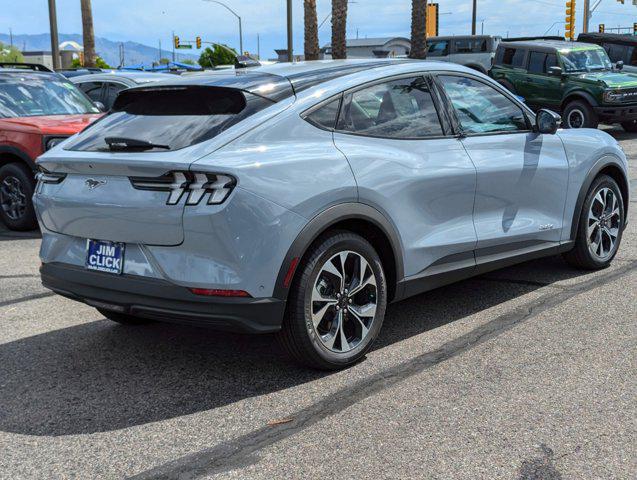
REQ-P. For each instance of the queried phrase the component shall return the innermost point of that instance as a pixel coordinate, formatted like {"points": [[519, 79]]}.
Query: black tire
{"points": [[579, 114], [16, 178], [123, 318], [298, 335], [630, 127], [580, 256]]}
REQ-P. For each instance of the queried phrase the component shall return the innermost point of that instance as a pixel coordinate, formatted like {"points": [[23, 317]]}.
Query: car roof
{"points": [[617, 38], [550, 45], [283, 80], [462, 37], [134, 78]]}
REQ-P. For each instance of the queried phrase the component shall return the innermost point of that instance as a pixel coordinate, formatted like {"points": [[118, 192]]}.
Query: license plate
{"points": [[105, 256]]}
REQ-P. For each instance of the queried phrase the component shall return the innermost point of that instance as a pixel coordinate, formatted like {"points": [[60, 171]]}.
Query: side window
{"points": [[438, 48], [480, 108], [325, 116], [514, 57], [632, 60], [618, 53], [464, 46], [112, 90], [92, 89], [551, 61], [398, 109], [479, 46], [537, 62]]}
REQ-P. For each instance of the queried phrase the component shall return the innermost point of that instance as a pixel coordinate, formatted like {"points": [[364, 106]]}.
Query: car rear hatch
{"points": [[127, 177]]}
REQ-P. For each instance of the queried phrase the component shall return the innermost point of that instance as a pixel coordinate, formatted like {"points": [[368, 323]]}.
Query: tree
{"points": [[164, 61], [311, 30], [99, 63], [339, 27], [188, 62], [217, 55], [10, 54], [418, 29], [88, 34]]}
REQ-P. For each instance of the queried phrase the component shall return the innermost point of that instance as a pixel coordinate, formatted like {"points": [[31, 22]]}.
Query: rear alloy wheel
{"points": [[579, 114], [630, 127], [600, 226], [16, 190], [337, 303]]}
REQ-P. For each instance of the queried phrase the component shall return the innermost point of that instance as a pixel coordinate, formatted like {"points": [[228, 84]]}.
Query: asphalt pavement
{"points": [[526, 373]]}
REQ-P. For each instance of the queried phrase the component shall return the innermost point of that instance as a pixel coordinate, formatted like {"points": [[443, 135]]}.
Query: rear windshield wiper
{"points": [[122, 143]]}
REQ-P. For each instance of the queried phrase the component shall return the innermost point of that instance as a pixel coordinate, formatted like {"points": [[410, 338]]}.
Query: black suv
{"points": [[620, 48]]}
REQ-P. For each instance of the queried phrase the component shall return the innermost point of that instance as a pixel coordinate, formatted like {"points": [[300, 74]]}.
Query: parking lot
{"points": [[525, 373]]}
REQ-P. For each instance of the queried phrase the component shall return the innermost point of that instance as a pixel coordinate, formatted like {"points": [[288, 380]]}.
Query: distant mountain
{"points": [[134, 53]]}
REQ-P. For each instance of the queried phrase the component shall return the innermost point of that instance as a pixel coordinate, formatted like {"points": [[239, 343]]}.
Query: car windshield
{"points": [[585, 60], [30, 95]]}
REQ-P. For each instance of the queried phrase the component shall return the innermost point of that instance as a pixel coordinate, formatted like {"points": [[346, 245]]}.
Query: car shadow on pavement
{"points": [[100, 376]]}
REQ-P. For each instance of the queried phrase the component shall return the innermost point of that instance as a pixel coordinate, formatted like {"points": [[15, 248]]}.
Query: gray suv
{"points": [[473, 51], [302, 198]]}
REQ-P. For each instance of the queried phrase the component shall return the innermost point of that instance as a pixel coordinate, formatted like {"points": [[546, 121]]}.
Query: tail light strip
{"points": [[195, 184]]}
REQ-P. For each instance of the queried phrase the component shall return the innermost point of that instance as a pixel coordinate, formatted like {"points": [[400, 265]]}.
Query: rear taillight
{"points": [[197, 185], [47, 177]]}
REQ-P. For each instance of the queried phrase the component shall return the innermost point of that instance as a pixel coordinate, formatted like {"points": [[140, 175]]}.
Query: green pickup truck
{"points": [[576, 79]]}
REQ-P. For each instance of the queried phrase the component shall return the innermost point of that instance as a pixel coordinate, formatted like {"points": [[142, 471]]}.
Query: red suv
{"points": [[38, 110]]}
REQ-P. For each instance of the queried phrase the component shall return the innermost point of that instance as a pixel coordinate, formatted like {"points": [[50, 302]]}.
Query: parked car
{"points": [[104, 87], [473, 51], [574, 78], [303, 198], [38, 110], [620, 48]]}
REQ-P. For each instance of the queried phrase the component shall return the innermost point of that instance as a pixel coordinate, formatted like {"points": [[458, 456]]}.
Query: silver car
{"points": [[302, 198], [473, 51]]}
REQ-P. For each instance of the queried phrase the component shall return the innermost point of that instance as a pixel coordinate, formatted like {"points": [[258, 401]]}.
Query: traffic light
{"points": [[601, 28], [198, 42], [570, 20], [176, 40]]}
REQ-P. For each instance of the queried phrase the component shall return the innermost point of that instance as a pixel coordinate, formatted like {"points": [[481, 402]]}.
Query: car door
{"points": [[522, 175], [409, 167], [538, 86], [111, 90]]}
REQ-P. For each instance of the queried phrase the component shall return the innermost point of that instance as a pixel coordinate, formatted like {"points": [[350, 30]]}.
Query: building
{"points": [[46, 58], [382, 47]]}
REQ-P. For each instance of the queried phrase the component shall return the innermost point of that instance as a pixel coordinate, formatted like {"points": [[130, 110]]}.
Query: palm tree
{"points": [[339, 23], [87, 32], [418, 29], [311, 30]]}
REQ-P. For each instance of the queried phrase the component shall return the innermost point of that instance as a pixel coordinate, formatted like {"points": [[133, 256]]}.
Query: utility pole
{"points": [[587, 15], [159, 61], [55, 44], [258, 47], [290, 41], [10, 37], [173, 42], [473, 18]]}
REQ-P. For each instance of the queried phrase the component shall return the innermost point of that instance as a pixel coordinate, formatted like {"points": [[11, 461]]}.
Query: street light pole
{"points": [[473, 18], [55, 44], [238, 18], [290, 40]]}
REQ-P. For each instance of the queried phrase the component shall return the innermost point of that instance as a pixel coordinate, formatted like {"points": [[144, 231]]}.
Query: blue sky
{"points": [[147, 21]]}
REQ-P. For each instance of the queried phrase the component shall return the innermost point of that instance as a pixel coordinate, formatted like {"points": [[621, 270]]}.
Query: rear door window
{"points": [[168, 118], [398, 109], [325, 116], [537, 62], [93, 90]]}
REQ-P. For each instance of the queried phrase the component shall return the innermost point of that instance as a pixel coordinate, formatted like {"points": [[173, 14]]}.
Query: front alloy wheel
{"points": [[13, 200], [336, 303], [16, 190]]}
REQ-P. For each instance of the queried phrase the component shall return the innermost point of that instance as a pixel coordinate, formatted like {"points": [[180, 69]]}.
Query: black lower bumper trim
{"points": [[617, 114], [163, 301]]}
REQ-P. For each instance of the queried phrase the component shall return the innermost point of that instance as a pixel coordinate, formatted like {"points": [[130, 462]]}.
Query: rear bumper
{"points": [[616, 114], [162, 301]]}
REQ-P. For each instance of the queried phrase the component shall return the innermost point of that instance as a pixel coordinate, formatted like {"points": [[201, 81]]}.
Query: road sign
{"points": [[181, 47]]}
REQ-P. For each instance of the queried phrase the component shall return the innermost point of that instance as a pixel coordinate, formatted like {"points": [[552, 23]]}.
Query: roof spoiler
{"points": [[26, 66]]}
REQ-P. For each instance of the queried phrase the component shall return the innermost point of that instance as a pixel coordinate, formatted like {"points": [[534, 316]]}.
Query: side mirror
{"points": [[556, 71], [547, 121], [619, 65], [100, 106]]}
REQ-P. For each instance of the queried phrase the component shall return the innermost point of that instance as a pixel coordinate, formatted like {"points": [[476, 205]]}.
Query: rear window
{"points": [[514, 57], [168, 118]]}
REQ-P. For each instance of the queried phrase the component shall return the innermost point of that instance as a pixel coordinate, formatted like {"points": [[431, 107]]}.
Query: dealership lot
{"points": [[527, 372]]}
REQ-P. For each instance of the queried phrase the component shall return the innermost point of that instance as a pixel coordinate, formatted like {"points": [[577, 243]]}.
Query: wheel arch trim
{"points": [[16, 152], [602, 163], [322, 222], [578, 95]]}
